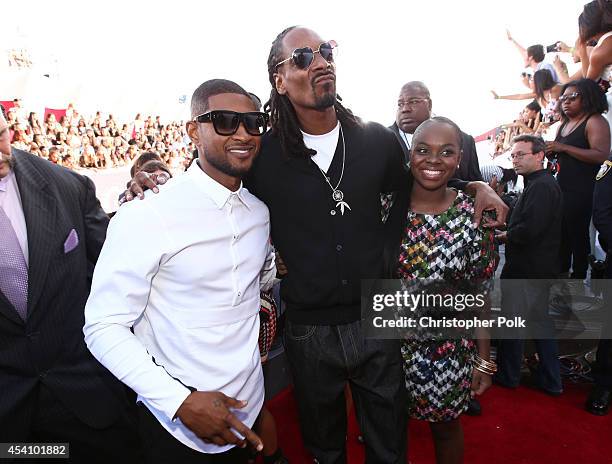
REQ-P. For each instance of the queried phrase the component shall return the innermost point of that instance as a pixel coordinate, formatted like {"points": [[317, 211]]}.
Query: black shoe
{"points": [[599, 400], [474, 408]]}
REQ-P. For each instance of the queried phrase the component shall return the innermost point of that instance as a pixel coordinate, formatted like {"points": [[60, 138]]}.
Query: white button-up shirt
{"points": [[184, 268]]}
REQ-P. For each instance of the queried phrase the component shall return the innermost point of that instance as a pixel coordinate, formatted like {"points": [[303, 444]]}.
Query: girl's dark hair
{"points": [[592, 96], [543, 81], [283, 120]]}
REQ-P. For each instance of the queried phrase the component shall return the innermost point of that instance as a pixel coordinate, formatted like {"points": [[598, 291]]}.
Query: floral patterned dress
{"points": [[444, 246]]}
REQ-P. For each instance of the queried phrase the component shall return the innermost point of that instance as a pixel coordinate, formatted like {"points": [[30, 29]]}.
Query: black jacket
{"points": [[49, 346], [327, 254], [534, 230]]}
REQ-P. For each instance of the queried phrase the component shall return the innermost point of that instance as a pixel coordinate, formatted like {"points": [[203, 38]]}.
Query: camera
{"points": [[552, 48]]}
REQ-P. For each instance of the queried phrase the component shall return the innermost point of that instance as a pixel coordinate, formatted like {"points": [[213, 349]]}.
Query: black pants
{"points": [[528, 299], [575, 239], [51, 422], [162, 448], [603, 364], [323, 359]]}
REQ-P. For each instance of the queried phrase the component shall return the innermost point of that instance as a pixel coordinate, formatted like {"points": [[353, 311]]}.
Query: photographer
{"points": [[532, 247]]}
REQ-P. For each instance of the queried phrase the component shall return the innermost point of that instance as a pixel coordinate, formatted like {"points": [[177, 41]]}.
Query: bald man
{"points": [[413, 107]]}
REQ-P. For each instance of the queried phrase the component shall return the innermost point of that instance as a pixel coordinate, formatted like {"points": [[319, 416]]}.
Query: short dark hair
{"points": [[442, 120], [199, 99], [256, 100], [534, 106], [592, 96], [537, 142], [536, 52], [142, 159]]}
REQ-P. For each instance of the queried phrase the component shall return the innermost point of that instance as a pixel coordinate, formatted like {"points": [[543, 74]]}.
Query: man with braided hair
{"points": [[321, 172]]}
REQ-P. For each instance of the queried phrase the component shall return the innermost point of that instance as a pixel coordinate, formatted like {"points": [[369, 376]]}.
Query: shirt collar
{"points": [[4, 182], [534, 175], [217, 192]]}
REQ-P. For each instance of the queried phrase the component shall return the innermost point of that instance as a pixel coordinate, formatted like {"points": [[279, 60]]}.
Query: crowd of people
{"points": [[97, 142], [166, 300]]}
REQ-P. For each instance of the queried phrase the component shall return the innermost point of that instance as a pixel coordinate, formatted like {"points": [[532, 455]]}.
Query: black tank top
{"points": [[575, 175]]}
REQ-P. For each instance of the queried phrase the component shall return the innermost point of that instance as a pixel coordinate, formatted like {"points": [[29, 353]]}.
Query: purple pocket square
{"points": [[71, 242]]}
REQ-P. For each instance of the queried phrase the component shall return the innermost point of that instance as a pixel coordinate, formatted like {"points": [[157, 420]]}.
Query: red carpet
{"points": [[517, 426]]}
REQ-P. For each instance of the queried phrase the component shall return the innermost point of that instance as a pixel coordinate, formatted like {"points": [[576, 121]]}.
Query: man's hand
{"points": [[495, 95], [281, 267], [487, 199], [563, 47], [208, 415], [142, 181], [508, 34]]}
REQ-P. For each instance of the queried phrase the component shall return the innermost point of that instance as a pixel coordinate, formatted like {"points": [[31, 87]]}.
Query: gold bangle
{"points": [[484, 368], [484, 371]]}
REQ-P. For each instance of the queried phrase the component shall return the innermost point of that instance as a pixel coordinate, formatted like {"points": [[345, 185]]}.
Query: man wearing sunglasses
{"points": [[329, 170], [190, 291]]}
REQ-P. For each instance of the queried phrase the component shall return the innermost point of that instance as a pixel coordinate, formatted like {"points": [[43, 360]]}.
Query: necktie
{"points": [[13, 268]]}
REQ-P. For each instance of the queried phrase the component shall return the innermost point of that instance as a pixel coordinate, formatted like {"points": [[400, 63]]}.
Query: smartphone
{"points": [[552, 48]]}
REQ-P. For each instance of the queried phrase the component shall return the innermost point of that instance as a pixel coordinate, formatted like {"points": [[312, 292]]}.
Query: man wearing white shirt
{"points": [[189, 286]]}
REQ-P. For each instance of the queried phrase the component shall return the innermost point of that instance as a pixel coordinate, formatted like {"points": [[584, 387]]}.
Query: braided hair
{"points": [[283, 119]]}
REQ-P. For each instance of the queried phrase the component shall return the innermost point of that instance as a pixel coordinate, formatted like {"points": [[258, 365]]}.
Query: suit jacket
{"points": [[49, 346], [469, 169]]}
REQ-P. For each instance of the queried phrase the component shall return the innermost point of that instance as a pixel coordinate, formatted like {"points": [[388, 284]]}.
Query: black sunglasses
{"points": [[303, 57], [226, 122]]}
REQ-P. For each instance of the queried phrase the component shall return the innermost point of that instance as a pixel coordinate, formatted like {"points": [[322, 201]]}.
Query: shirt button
{"points": [[333, 212], [338, 247], [239, 293]]}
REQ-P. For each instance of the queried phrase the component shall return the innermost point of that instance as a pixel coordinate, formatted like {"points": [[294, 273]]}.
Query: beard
{"points": [[327, 99], [222, 164]]}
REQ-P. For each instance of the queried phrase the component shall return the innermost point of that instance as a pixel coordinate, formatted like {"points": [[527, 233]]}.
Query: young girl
{"points": [[432, 236]]}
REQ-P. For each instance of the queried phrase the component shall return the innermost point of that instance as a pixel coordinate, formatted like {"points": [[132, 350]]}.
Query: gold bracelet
{"points": [[484, 371], [484, 366]]}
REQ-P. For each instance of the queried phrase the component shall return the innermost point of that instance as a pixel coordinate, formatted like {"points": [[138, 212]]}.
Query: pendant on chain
{"points": [[337, 195]]}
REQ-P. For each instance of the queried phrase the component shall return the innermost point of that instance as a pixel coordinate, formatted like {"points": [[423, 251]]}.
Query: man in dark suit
{"points": [[414, 107], [51, 231]]}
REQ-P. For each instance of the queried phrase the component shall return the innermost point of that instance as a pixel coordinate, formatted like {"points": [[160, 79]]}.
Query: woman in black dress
{"points": [[581, 146]]}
